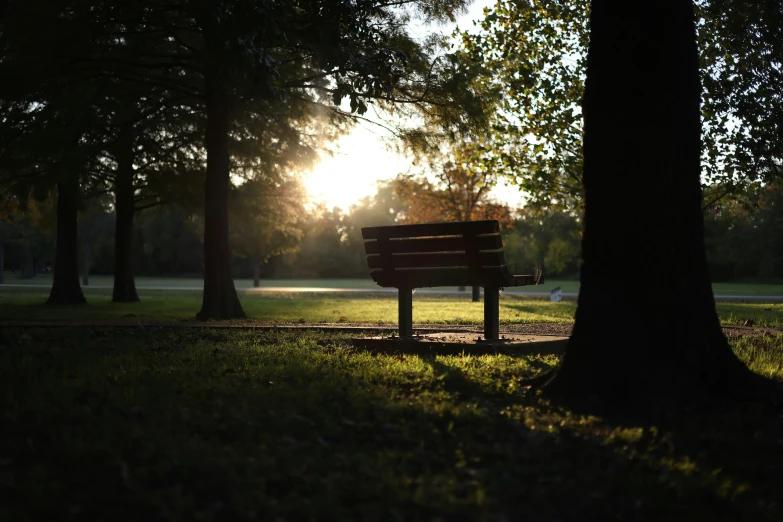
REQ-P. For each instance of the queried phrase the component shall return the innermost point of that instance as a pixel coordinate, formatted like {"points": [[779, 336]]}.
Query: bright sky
{"points": [[362, 158]]}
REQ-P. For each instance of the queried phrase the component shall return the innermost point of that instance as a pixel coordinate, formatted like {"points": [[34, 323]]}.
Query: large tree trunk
{"points": [[646, 333], [65, 286], [124, 290], [220, 295]]}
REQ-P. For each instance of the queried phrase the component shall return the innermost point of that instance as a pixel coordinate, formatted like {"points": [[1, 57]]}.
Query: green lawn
{"points": [[204, 425], [568, 286], [175, 305]]}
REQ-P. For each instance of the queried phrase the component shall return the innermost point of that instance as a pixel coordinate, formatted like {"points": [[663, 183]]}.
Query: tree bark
{"points": [[65, 285], [124, 290], [646, 334], [220, 299]]}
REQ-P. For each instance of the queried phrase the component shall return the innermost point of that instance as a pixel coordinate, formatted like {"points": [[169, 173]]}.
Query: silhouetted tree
{"points": [[646, 335]]}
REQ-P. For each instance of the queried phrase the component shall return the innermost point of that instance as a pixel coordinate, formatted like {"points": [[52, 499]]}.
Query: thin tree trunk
{"points": [[86, 263], [646, 334], [476, 294], [124, 290], [65, 285], [220, 296], [28, 267], [256, 273]]}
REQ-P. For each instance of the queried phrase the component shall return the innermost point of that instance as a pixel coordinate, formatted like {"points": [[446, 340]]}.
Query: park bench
{"points": [[467, 253]]}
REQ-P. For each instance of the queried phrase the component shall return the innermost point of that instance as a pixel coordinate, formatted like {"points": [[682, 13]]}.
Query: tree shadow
{"points": [[243, 426]]}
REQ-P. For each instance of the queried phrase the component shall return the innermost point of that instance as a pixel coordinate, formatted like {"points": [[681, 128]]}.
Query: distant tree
{"points": [[95, 221], [380, 209], [545, 238], [744, 235], [458, 193], [267, 219], [170, 239], [324, 251]]}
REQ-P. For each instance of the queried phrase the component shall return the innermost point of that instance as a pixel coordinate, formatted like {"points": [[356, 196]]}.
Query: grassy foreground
{"points": [[26, 304], [204, 425]]}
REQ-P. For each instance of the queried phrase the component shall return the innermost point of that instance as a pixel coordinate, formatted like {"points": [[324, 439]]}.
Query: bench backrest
{"points": [[469, 244]]}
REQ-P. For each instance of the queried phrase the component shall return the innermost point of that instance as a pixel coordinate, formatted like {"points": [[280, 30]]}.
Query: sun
{"points": [[361, 160]]}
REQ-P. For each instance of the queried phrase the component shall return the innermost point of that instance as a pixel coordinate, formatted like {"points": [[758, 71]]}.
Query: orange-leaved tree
{"points": [[457, 192]]}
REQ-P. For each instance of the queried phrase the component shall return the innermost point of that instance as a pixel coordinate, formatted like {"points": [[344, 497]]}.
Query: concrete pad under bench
{"points": [[470, 343]]}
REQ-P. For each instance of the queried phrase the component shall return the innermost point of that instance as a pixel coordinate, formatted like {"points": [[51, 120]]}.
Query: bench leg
{"points": [[491, 313], [405, 311]]}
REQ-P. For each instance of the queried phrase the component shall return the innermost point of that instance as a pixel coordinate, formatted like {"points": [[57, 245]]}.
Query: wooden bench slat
{"points": [[524, 280], [425, 278], [486, 259], [456, 228], [435, 244]]}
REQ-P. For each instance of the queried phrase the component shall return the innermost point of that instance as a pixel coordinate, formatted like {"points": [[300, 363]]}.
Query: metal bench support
{"points": [[405, 311], [491, 313]]}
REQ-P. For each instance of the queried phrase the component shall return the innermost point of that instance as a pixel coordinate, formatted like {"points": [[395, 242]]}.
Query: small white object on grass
{"points": [[556, 295]]}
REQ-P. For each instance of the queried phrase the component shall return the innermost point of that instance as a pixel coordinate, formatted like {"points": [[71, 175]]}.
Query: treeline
{"points": [[744, 241], [208, 109], [174, 132]]}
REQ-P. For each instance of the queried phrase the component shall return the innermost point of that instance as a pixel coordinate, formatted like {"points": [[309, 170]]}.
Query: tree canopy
{"points": [[536, 52]]}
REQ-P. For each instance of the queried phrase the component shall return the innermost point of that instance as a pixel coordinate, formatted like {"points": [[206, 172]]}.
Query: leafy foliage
{"points": [[459, 192], [268, 217], [536, 52]]}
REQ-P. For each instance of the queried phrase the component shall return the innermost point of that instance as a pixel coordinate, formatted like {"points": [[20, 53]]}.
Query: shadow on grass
{"points": [[118, 425]]}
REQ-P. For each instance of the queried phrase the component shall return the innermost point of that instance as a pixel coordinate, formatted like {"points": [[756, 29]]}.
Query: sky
{"points": [[362, 158]]}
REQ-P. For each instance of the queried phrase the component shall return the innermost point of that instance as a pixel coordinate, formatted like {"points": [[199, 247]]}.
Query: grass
{"points": [[568, 286], [202, 425], [172, 305]]}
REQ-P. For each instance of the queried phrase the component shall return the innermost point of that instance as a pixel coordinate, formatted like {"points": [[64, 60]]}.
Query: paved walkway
{"points": [[314, 289]]}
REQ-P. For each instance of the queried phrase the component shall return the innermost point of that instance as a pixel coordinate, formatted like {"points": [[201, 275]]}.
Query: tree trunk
{"points": [[85, 263], [124, 290], [256, 273], [476, 294], [646, 334], [2, 262], [28, 268], [65, 285], [220, 296]]}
